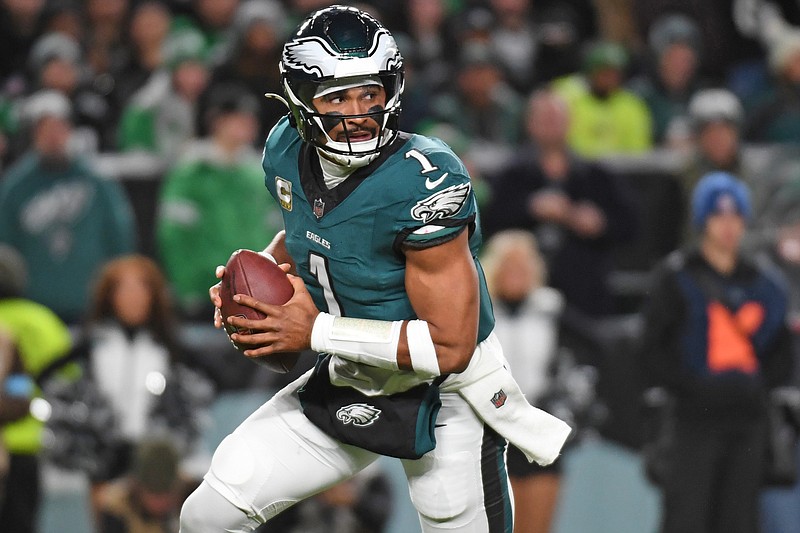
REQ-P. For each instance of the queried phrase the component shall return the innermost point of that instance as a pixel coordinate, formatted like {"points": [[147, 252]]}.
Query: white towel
{"points": [[490, 389]]}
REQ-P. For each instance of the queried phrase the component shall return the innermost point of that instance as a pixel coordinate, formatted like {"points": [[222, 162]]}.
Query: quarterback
{"points": [[380, 241]]}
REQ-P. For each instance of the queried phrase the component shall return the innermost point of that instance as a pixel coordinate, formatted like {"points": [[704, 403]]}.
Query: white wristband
{"points": [[372, 342], [421, 349]]}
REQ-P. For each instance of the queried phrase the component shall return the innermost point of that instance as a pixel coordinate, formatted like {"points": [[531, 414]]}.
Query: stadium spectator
{"points": [[147, 30], [161, 117], [106, 46], [671, 77], [64, 16], [716, 339], [535, 42], [252, 56], [717, 119], [130, 351], [735, 55], [64, 218], [482, 104], [527, 316], [56, 63], [774, 116], [605, 117], [576, 208], [430, 32], [40, 338], [214, 21], [148, 499], [213, 200]]}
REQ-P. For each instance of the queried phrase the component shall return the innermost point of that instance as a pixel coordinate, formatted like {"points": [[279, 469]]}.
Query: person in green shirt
{"points": [[59, 213], [213, 200]]}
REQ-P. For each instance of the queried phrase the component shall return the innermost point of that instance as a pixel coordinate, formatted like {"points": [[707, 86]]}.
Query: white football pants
{"points": [[277, 457]]}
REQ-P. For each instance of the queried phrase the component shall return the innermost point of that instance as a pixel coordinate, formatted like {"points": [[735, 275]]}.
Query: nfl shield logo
{"points": [[319, 208], [499, 399]]}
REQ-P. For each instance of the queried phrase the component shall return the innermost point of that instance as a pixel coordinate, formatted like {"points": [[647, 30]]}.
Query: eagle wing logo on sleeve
{"points": [[442, 204]]}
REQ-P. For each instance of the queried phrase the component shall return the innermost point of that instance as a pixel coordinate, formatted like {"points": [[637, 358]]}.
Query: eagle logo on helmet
{"points": [[314, 56], [441, 205], [358, 414]]}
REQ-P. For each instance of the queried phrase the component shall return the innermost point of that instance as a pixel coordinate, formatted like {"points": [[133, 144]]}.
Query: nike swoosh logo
{"points": [[433, 184]]}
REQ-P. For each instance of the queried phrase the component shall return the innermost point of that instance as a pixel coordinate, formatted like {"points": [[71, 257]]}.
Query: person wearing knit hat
{"points": [[715, 340], [719, 193]]}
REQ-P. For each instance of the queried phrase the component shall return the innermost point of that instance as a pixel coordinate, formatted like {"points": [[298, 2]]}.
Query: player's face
{"points": [[353, 101]]}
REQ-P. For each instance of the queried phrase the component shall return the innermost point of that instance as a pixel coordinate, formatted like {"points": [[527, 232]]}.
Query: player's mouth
{"points": [[356, 136]]}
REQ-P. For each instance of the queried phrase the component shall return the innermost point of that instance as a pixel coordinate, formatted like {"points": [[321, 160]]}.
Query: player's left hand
{"points": [[287, 327]]}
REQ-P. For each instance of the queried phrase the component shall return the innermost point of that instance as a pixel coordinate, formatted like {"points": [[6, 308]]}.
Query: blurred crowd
{"points": [[130, 142]]}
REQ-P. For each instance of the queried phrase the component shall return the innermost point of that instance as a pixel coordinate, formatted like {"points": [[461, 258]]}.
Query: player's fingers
{"points": [[249, 301], [245, 324], [220, 271], [217, 318], [286, 267], [213, 293], [298, 284]]}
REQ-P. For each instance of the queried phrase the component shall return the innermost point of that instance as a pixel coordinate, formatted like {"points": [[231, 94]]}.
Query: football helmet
{"points": [[336, 48]]}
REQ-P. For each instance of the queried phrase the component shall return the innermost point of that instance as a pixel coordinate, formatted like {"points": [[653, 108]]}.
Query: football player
{"points": [[381, 241]]}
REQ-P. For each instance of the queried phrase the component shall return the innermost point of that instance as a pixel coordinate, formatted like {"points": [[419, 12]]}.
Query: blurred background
{"points": [[130, 141]]}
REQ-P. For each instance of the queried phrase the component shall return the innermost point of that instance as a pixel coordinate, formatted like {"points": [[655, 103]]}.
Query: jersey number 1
{"points": [[318, 265]]}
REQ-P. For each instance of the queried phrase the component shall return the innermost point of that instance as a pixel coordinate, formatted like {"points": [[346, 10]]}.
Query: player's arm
{"points": [[442, 284]]}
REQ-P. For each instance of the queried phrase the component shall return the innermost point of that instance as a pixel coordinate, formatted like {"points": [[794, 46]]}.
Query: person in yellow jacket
{"points": [[40, 338], [606, 118]]}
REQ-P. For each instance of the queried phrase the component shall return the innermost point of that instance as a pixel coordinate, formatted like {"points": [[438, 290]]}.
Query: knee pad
{"points": [[450, 490]]}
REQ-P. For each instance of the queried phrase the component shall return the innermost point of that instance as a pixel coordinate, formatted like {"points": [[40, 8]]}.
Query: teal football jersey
{"points": [[347, 241]]}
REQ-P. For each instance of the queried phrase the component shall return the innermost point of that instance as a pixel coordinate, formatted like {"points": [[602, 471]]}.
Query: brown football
{"points": [[248, 272]]}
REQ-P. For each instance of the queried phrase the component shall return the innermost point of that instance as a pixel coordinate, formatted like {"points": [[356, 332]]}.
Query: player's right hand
{"points": [[213, 294]]}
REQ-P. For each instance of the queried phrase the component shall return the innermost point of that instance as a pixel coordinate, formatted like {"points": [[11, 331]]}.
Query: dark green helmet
{"points": [[341, 46]]}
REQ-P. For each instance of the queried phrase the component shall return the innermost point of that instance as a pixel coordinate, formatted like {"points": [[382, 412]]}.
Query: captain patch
{"points": [[284, 188]]}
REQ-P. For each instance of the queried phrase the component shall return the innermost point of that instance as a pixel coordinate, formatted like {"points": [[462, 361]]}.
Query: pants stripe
{"points": [[496, 497]]}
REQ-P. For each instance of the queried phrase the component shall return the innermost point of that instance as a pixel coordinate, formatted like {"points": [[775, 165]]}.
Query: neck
{"points": [[332, 172], [721, 259]]}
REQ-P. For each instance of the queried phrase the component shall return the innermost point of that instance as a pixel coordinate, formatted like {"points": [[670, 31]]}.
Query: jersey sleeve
{"points": [[277, 147], [440, 201]]}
